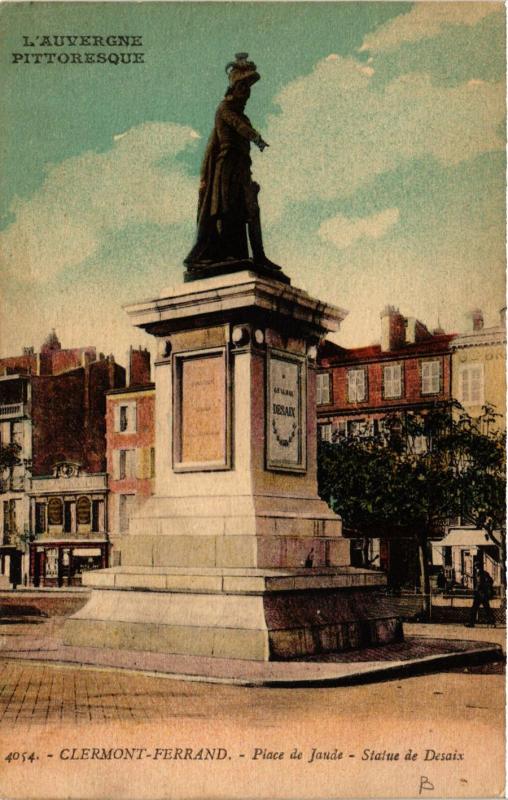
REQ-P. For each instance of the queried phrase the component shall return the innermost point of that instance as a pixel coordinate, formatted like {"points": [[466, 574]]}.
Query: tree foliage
{"points": [[9, 455], [416, 473]]}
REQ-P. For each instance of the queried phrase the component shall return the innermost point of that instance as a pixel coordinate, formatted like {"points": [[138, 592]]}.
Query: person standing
{"points": [[482, 585]]}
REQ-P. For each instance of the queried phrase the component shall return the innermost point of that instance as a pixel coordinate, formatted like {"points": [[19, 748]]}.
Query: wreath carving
{"points": [[284, 442]]}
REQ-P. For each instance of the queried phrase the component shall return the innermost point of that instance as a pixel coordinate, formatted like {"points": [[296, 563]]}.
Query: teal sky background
{"points": [[384, 181]]}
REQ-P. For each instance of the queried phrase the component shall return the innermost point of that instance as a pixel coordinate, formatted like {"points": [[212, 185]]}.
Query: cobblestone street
{"points": [[34, 694], [57, 713]]}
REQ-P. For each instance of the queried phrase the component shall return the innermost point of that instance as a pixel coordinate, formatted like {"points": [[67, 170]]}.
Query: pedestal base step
{"points": [[261, 627], [230, 580]]}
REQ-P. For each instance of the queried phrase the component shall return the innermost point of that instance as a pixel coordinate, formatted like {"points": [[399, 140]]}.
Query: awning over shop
{"points": [[464, 537], [86, 551]]}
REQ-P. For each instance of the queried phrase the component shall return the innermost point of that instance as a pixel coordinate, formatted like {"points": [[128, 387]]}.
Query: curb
{"points": [[472, 656]]}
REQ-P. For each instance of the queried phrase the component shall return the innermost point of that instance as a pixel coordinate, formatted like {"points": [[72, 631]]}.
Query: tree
{"points": [[414, 474], [479, 454], [9, 456]]}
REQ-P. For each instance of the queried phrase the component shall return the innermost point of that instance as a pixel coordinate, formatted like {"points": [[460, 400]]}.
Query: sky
{"points": [[384, 181]]}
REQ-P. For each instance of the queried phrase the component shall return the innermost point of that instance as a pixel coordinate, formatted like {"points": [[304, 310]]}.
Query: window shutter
{"points": [[425, 377], [350, 386], [143, 462], [116, 417], [476, 384], [465, 385], [398, 380], [132, 417], [360, 394], [116, 464]]}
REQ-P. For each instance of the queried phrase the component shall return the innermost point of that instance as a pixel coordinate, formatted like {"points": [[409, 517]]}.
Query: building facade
{"points": [[130, 426], [478, 380], [408, 372], [479, 367], [68, 516], [53, 405], [15, 428]]}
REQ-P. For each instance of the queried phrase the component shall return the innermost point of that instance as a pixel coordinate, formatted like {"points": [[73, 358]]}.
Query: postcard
{"points": [[252, 400]]}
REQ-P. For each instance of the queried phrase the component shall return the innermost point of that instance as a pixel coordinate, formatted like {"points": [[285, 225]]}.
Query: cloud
{"points": [[343, 231], [426, 20], [86, 198], [336, 131]]}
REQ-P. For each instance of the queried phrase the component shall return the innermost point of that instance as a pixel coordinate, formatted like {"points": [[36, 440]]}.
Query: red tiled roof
{"points": [[331, 354]]}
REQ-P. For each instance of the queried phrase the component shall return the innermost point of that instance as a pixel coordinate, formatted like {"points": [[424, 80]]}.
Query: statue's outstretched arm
{"points": [[240, 125]]}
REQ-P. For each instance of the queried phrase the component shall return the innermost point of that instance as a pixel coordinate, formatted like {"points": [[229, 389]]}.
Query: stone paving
{"points": [[32, 694]]}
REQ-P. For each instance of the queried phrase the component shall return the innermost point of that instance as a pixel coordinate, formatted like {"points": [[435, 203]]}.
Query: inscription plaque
{"points": [[285, 413], [202, 413]]}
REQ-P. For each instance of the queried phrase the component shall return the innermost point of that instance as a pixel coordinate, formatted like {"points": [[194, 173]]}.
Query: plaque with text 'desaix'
{"points": [[286, 413], [202, 413]]}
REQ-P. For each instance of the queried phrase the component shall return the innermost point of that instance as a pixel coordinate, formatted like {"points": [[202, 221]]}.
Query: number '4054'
{"points": [[15, 756]]}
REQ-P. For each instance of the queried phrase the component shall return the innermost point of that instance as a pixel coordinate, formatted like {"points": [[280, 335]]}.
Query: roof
{"points": [[144, 387], [333, 355]]}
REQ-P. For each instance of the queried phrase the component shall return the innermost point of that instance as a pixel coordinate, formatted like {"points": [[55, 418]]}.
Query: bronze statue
{"points": [[228, 197]]}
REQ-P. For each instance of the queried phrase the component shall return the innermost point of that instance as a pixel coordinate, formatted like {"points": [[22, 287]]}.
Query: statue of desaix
{"points": [[228, 209]]}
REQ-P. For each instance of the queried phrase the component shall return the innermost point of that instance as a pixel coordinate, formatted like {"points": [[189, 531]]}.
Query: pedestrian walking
{"points": [[482, 585]]}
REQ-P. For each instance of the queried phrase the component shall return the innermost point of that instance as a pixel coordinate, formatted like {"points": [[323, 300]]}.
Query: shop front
{"points": [[68, 520], [62, 563]]}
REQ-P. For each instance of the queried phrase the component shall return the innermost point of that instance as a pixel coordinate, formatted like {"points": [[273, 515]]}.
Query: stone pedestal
{"points": [[235, 555]]}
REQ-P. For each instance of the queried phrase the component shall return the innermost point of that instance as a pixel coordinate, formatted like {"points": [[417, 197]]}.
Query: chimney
{"points": [[139, 366], [393, 329], [416, 331], [476, 317]]}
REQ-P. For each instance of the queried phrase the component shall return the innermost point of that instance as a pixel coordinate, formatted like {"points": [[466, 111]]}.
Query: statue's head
{"points": [[242, 71]]}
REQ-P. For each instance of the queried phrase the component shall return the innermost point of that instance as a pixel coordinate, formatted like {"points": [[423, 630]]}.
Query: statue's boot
{"points": [[256, 243]]}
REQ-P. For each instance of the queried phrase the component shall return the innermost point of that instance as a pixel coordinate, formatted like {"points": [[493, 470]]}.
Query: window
{"points": [[96, 515], [418, 444], [126, 417], [18, 478], [83, 511], [127, 466], [392, 381], [356, 386], [471, 390], [51, 565], [360, 427], [17, 433], [323, 394], [325, 433], [10, 527], [55, 511], [6, 517], [340, 429], [68, 515], [431, 377], [126, 508], [40, 517], [124, 421], [152, 462]]}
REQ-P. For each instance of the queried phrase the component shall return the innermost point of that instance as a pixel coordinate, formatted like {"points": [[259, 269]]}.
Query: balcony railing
{"points": [[16, 484], [11, 410]]}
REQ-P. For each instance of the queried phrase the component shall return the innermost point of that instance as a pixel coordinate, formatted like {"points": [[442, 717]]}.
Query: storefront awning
{"points": [[464, 537], [86, 551]]}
